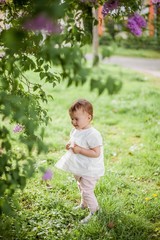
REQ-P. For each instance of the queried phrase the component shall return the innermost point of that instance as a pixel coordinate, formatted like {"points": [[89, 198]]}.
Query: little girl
{"points": [[84, 157]]}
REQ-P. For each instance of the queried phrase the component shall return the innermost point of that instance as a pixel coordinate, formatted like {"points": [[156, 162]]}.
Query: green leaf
{"points": [[113, 85]]}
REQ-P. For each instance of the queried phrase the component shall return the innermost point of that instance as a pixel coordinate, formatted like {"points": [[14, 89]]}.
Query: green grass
{"points": [[143, 53], [119, 51], [128, 193]]}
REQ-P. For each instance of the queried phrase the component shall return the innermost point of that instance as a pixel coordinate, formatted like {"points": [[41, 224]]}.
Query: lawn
{"points": [[120, 51], [143, 53], [128, 193]]}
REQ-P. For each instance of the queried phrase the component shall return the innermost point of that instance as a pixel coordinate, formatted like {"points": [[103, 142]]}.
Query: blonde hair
{"points": [[82, 104]]}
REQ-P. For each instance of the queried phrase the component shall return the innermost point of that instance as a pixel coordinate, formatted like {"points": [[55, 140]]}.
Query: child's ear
{"points": [[90, 117]]}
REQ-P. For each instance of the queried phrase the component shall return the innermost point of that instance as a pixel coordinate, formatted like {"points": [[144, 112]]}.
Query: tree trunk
{"points": [[95, 40]]}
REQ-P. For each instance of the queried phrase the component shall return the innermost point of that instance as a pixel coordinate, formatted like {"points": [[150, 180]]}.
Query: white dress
{"points": [[79, 164]]}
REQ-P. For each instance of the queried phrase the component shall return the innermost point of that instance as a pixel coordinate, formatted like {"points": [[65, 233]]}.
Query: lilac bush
{"points": [[109, 6], [42, 22], [136, 23]]}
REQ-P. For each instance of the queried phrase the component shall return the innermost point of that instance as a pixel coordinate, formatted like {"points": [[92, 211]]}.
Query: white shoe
{"points": [[81, 206], [86, 219]]}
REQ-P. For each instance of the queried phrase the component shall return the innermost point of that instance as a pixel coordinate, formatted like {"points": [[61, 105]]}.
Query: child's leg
{"points": [[78, 179], [87, 186]]}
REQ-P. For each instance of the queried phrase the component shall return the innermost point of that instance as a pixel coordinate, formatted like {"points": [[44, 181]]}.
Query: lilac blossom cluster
{"points": [[17, 128], [47, 175], [2, 1], [109, 6], [136, 23], [156, 1], [42, 22]]}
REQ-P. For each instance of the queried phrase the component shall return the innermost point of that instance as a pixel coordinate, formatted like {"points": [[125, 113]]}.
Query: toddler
{"points": [[84, 158]]}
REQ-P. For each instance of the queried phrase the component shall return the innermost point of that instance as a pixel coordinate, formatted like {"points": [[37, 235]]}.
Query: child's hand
{"points": [[76, 149], [68, 146]]}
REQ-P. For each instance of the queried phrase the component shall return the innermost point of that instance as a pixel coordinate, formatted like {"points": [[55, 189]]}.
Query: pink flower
{"points": [[42, 22], [155, 1], [47, 175], [18, 128], [109, 6]]}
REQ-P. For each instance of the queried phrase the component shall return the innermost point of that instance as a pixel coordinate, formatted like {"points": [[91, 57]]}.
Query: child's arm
{"points": [[92, 152]]}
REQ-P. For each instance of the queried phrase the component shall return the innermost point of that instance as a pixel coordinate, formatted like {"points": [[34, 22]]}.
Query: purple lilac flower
{"points": [[41, 22], [18, 128], [134, 28], [47, 175], [2, 1], [155, 1], [108, 6], [141, 22]]}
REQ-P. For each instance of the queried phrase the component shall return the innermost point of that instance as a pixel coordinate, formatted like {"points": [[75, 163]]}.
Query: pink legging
{"points": [[86, 186]]}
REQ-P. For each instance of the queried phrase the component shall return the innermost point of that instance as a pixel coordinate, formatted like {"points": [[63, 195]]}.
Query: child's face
{"points": [[80, 119]]}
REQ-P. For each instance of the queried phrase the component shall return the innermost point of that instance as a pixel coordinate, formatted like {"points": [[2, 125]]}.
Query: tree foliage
{"points": [[54, 54]]}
